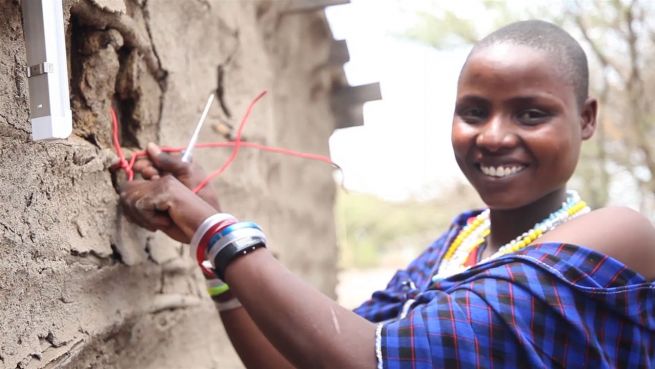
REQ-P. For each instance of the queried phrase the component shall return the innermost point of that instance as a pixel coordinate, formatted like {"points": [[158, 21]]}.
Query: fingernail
{"points": [[153, 149]]}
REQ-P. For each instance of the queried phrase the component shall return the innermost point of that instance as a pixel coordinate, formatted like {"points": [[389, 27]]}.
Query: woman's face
{"points": [[517, 127]]}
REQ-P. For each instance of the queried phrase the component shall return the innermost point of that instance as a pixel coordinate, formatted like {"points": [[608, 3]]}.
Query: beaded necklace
{"points": [[474, 233]]}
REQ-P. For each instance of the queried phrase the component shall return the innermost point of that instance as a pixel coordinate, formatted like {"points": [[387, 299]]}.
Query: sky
{"points": [[403, 149]]}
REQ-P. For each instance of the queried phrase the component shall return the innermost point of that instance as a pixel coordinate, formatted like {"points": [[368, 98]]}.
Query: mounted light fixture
{"points": [[47, 69]]}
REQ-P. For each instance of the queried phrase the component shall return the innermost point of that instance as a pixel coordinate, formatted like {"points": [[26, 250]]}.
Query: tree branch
{"points": [[604, 60]]}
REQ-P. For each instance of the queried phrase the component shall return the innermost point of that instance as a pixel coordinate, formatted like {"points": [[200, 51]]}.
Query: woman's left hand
{"points": [[164, 204], [158, 163]]}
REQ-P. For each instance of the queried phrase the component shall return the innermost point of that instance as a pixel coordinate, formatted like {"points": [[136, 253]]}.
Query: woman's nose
{"points": [[496, 134]]}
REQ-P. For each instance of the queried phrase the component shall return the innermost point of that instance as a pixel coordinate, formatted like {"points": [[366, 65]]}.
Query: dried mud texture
{"points": [[82, 288]]}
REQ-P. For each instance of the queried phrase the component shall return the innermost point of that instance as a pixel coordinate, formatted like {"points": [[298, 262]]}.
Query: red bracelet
{"points": [[202, 245]]}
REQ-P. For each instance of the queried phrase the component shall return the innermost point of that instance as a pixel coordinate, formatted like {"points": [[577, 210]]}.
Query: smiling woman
{"points": [[518, 125], [535, 280]]}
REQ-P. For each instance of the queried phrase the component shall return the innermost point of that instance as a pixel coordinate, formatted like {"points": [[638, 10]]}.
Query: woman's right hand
{"points": [[158, 163], [165, 204]]}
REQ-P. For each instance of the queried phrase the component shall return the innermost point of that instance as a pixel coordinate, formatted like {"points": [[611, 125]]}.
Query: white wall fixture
{"points": [[47, 70]]}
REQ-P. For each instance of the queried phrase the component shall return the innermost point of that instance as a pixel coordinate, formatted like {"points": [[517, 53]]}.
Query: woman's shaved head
{"points": [[566, 52]]}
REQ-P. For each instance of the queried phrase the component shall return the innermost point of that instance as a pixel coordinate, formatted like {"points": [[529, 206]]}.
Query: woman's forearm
{"points": [[307, 327], [253, 348]]}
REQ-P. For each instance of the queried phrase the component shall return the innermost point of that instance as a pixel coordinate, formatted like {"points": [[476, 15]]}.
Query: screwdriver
{"points": [[186, 156]]}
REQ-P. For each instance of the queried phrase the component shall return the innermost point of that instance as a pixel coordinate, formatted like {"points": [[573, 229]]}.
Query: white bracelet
{"points": [[204, 227], [231, 237], [230, 304]]}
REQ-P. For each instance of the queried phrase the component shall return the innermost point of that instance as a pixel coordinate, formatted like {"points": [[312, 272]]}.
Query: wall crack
{"points": [[162, 73], [97, 18], [162, 79]]}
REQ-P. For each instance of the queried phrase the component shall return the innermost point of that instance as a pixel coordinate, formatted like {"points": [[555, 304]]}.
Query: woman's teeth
{"points": [[501, 171]]}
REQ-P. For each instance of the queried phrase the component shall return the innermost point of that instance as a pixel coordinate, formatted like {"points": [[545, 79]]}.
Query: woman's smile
{"points": [[501, 171]]}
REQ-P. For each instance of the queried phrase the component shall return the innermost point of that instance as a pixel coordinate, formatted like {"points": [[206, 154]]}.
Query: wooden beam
{"points": [[339, 54], [299, 6], [350, 95], [347, 103]]}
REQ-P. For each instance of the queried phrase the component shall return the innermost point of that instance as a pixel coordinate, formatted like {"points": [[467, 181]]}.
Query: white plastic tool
{"points": [[47, 69], [186, 156]]}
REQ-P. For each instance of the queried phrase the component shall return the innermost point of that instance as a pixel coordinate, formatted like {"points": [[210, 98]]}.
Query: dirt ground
{"points": [[357, 285]]}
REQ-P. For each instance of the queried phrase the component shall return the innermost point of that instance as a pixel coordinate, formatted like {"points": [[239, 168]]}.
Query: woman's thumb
{"points": [[163, 161], [153, 150]]}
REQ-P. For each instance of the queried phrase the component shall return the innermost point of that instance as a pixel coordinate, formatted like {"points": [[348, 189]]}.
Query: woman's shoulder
{"points": [[619, 232]]}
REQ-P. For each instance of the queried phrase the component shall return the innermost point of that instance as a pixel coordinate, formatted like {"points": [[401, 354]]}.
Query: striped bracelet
{"points": [[219, 240], [234, 240], [231, 233]]}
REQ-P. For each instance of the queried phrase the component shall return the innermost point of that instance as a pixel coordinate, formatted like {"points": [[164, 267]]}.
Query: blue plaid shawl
{"points": [[548, 306]]}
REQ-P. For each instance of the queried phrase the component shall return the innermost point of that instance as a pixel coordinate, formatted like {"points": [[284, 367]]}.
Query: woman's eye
{"points": [[533, 116], [472, 114]]}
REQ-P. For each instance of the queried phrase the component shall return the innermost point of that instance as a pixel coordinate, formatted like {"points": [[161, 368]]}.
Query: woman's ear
{"points": [[588, 116]]}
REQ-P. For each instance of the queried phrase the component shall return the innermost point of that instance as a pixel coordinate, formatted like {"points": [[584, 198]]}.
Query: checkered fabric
{"points": [[548, 306]]}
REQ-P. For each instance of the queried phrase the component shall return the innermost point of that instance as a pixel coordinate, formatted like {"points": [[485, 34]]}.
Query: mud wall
{"points": [[82, 288]]}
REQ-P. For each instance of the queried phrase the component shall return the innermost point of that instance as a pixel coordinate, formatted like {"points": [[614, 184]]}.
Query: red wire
{"points": [[235, 145], [117, 146]]}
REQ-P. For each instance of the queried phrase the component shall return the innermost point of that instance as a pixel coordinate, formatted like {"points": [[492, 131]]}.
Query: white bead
{"points": [[456, 263]]}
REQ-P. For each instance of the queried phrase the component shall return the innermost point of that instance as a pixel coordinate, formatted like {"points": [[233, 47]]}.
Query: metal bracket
{"points": [[47, 70], [43, 68]]}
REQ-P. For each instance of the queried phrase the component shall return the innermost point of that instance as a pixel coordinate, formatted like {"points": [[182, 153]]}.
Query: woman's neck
{"points": [[510, 223]]}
